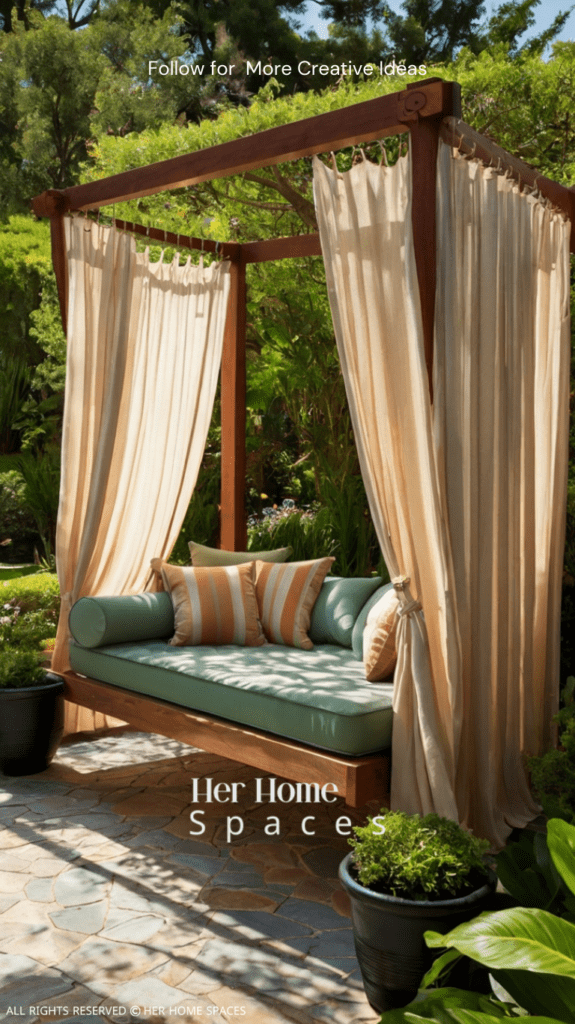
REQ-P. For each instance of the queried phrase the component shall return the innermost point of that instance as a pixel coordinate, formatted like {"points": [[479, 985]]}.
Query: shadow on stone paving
{"points": [[107, 902]]}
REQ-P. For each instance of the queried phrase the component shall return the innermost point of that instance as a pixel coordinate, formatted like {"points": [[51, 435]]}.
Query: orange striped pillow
{"points": [[286, 594], [215, 605]]}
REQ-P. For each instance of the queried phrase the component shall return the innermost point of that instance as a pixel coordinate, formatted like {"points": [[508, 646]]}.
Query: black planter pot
{"points": [[388, 935], [31, 726]]}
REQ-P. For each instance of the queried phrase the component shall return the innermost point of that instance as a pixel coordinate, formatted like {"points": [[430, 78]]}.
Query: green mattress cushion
{"points": [[357, 632], [319, 697], [339, 602], [97, 621]]}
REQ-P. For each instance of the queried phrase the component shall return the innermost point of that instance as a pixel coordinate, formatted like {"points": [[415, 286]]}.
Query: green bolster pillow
{"points": [[98, 621]]}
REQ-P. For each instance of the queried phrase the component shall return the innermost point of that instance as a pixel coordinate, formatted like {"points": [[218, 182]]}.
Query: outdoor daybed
{"points": [[448, 281], [339, 724]]}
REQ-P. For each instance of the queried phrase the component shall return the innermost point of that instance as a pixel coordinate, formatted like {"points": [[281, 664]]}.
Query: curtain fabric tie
{"points": [[408, 604]]}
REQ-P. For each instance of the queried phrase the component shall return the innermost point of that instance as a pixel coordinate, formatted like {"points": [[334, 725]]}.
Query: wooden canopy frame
{"points": [[427, 110]]}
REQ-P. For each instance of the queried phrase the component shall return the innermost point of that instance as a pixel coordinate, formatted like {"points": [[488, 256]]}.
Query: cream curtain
{"points": [[365, 228], [144, 351], [467, 498], [501, 410]]}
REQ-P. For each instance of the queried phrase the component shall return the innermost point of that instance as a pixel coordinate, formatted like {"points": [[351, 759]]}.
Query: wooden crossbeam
{"points": [[362, 122], [456, 133]]}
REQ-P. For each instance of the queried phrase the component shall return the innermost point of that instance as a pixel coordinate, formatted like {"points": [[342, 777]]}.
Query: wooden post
{"points": [[54, 204], [424, 143], [233, 532], [60, 264]]}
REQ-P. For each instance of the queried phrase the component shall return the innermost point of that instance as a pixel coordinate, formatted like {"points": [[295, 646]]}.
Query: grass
{"points": [[14, 574]]}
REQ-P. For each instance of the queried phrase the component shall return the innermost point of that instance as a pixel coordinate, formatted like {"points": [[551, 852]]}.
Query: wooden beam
{"points": [[229, 250], [362, 122], [358, 779], [233, 530], [456, 133], [281, 248]]}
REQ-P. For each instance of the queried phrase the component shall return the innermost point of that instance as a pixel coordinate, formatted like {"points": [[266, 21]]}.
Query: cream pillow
{"points": [[215, 605], [286, 595], [379, 651]]}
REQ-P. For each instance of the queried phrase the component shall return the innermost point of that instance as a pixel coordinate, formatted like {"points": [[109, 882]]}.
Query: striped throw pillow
{"points": [[379, 650], [215, 605], [286, 595]]}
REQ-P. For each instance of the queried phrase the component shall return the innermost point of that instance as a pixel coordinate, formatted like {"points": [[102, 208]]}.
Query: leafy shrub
{"points": [[353, 539], [17, 524], [202, 519], [16, 377], [19, 669], [29, 608], [553, 774], [31, 592], [306, 531], [568, 596], [526, 870], [41, 475], [430, 858]]}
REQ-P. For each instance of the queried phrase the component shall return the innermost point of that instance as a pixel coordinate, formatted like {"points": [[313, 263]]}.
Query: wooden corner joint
{"points": [[430, 99], [51, 203]]}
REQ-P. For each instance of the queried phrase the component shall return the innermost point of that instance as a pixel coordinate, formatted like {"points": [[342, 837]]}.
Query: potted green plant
{"points": [[408, 875], [31, 713], [528, 951]]}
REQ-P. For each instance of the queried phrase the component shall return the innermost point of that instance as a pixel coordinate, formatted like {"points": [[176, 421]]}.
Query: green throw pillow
{"points": [[203, 556], [338, 605]]}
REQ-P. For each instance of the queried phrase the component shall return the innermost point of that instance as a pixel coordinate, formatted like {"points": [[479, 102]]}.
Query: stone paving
{"points": [[111, 909]]}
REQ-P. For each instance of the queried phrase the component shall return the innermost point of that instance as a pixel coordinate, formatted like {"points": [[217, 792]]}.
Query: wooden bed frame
{"points": [[358, 779], [427, 110]]}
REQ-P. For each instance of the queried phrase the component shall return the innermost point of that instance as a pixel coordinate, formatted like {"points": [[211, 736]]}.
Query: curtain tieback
{"points": [[407, 609], [408, 604]]}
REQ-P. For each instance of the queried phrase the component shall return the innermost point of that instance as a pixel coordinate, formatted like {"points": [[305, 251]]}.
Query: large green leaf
{"points": [[517, 939], [561, 843], [540, 994], [462, 1016], [439, 966], [527, 872], [439, 1004]]}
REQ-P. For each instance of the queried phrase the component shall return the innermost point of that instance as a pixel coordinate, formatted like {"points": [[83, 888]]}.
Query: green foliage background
{"points": [[101, 115]]}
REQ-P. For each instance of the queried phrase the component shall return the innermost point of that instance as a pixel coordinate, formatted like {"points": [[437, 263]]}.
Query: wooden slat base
{"points": [[358, 779]]}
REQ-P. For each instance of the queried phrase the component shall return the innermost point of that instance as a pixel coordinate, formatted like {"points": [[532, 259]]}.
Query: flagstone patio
{"points": [[108, 903]]}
